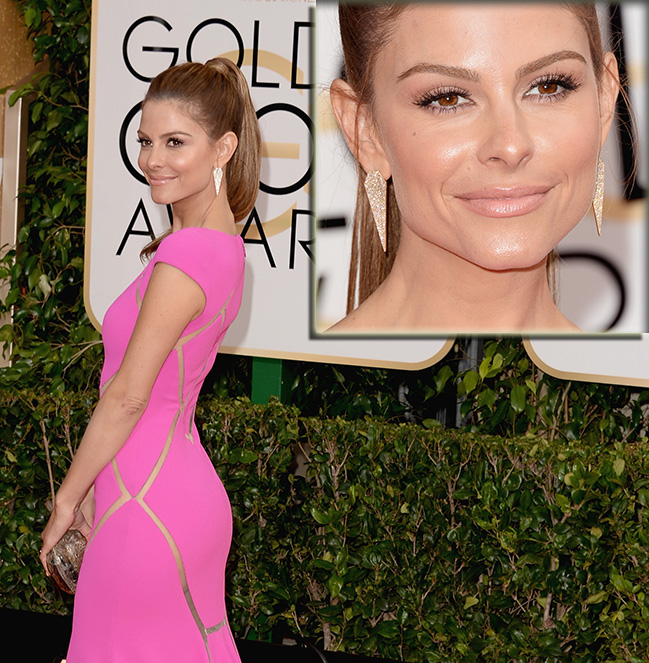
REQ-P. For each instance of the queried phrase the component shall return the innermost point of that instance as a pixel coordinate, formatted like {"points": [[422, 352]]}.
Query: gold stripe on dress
{"points": [[103, 387], [138, 296], [161, 460], [184, 339], [216, 627], [120, 501], [181, 377], [181, 572]]}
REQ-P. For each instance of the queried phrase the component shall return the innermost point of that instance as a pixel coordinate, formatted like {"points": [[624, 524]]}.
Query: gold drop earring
{"points": [[598, 198], [218, 176], [377, 191]]}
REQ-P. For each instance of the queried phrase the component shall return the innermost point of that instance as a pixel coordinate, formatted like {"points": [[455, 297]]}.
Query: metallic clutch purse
{"points": [[64, 560]]}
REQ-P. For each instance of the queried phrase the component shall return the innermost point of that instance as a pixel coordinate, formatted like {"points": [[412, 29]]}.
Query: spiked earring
{"points": [[377, 190], [598, 198], [218, 176]]}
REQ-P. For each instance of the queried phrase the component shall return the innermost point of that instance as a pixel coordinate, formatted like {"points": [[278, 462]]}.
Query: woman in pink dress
{"points": [[158, 522]]}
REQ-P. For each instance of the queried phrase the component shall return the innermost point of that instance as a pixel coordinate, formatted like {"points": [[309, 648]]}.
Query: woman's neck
{"points": [[204, 210], [431, 289]]}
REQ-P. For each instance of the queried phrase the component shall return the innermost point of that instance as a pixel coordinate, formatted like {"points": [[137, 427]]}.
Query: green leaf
{"points": [[643, 493], [53, 120], [442, 377], [597, 598], [621, 584], [563, 502], [245, 456], [83, 35], [30, 16], [320, 517], [518, 398], [387, 629], [44, 285], [470, 381], [470, 601], [618, 466]]}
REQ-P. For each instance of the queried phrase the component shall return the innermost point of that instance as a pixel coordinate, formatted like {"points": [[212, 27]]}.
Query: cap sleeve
{"points": [[214, 260], [184, 252]]}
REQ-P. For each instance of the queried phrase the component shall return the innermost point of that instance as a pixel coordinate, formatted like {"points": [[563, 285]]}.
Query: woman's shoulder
{"points": [[204, 254], [195, 244], [368, 318], [200, 236]]}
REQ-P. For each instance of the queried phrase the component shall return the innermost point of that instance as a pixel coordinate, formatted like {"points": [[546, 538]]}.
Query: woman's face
{"points": [[176, 155], [487, 117]]}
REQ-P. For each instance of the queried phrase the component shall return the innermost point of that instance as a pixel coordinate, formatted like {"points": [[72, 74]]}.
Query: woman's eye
{"points": [[144, 142], [443, 101], [548, 88], [553, 88], [448, 100], [175, 142]]}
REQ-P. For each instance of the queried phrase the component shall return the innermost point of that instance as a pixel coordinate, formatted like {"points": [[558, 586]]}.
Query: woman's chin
{"points": [[509, 262], [160, 198]]}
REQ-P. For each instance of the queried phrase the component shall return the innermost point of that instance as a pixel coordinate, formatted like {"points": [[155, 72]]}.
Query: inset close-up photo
{"points": [[480, 168]]}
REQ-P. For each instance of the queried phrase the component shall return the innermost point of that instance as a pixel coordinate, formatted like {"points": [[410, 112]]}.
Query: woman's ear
{"points": [[225, 148], [608, 91], [358, 129]]}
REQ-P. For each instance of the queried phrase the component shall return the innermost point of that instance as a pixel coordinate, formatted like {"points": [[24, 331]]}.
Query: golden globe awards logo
{"points": [[150, 45]]}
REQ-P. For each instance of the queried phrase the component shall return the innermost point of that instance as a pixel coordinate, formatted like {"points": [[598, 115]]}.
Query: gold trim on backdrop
{"points": [[620, 210], [348, 361], [94, 31], [325, 118], [280, 150], [581, 377], [13, 169], [636, 73], [14, 166]]}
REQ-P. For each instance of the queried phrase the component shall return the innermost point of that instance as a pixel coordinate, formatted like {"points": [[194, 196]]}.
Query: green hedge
{"points": [[391, 540]]}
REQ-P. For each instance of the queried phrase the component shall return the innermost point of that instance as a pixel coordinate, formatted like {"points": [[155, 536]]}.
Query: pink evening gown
{"points": [[152, 583]]}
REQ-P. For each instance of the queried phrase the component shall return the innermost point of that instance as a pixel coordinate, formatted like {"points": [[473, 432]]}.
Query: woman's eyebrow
{"points": [[548, 59], [167, 135], [470, 75], [429, 68]]}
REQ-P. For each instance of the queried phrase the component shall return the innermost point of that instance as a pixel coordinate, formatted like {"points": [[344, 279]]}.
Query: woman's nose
{"points": [[153, 156], [507, 138]]}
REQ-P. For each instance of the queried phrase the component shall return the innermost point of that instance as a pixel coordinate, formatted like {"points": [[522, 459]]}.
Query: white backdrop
{"points": [[270, 40]]}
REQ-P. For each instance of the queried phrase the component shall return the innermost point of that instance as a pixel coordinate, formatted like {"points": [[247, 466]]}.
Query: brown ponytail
{"points": [[364, 30], [216, 95], [242, 171]]}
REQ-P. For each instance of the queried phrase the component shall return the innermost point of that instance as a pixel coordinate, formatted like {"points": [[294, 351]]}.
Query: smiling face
{"points": [[176, 155], [489, 120]]}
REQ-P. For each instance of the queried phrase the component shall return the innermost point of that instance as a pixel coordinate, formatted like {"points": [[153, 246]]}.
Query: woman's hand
{"points": [[62, 519]]}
